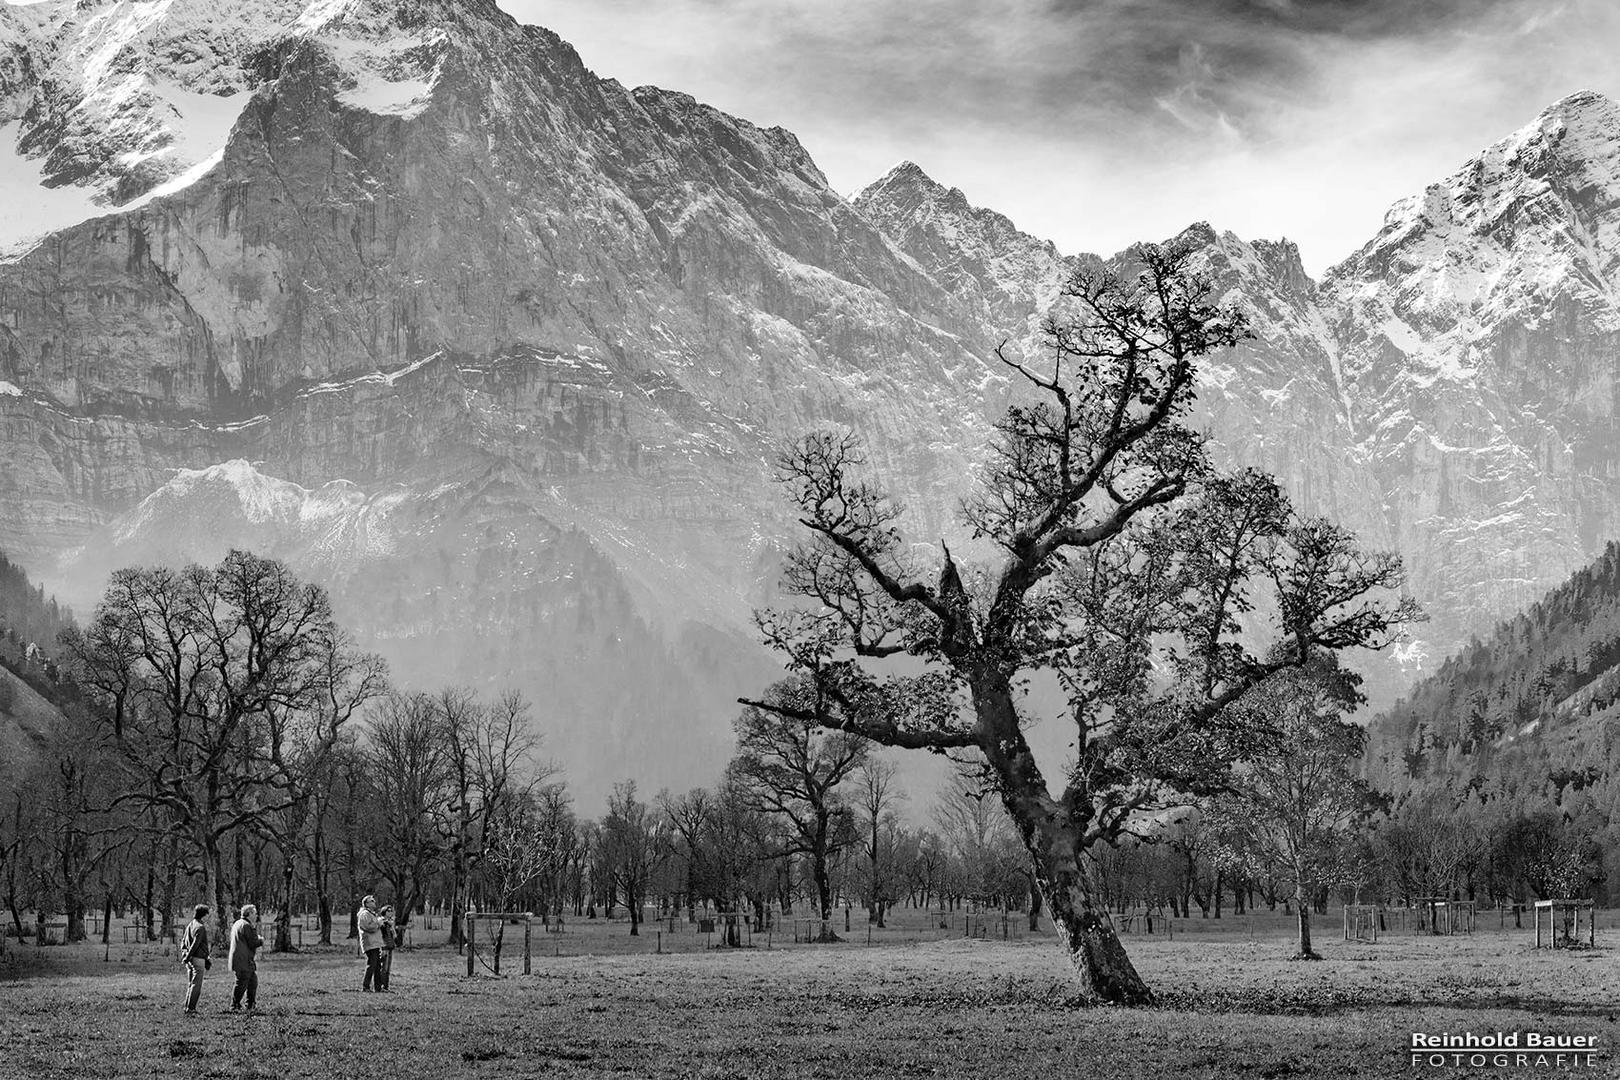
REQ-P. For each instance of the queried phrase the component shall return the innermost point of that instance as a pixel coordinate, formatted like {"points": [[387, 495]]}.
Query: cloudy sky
{"points": [[1098, 122]]}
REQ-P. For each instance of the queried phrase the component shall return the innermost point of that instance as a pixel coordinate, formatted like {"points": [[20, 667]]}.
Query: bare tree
{"points": [[490, 749], [632, 846], [300, 742], [325, 792], [787, 765], [691, 818], [68, 785], [408, 777], [876, 791], [553, 818], [1293, 802], [1122, 562], [201, 678]]}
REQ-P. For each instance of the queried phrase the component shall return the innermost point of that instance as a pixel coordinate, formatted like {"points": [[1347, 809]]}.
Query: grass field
{"points": [[916, 1003]]}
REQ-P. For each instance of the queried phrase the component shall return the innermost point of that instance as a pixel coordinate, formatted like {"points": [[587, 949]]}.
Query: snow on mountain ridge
{"points": [[128, 98], [1477, 334], [204, 511], [1534, 216], [1009, 278], [118, 100], [637, 297]]}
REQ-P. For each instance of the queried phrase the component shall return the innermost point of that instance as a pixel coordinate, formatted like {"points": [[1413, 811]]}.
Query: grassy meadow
{"points": [[917, 1002]]}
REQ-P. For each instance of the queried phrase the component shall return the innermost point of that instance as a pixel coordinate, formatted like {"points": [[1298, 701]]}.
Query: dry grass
{"points": [[1230, 1006]]}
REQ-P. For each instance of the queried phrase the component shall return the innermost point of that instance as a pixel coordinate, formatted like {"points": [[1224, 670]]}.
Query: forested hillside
{"points": [[1552, 666], [1513, 746], [31, 686], [29, 623]]}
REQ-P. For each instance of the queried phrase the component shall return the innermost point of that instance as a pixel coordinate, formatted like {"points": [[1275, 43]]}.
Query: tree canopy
{"points": [[1114, 556]]}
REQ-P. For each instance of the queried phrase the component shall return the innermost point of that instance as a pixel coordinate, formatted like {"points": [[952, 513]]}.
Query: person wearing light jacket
{"points": [[371, 944], [245, 942], [194, 954]]}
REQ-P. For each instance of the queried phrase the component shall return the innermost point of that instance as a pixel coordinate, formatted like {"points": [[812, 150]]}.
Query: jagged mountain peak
{"points": [[1282, 258], [906, 197], [106, 101], [738, 145], [1475, 334], [374, 15], [907, 176], [1573, 146], [1583, 109], [1274, 264], [1009, 277], [1534, 215]]}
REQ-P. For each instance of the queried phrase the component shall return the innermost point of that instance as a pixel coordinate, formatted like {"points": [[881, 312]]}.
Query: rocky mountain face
{"points": [[1276, 403], [500, 351], [1478, 340], [1449, 391], [545, 330]]}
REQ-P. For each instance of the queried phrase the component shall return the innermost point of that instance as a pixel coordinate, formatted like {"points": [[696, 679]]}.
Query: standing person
{"points": [[371, 942], [194, 954], [245, 942], [386, 967]]}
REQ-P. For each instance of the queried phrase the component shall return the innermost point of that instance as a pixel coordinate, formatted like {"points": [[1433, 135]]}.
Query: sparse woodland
{"points": [[215, 734]]}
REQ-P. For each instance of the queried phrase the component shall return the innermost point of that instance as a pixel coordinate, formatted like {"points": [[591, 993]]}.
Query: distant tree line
{"points": [[220, 736]]}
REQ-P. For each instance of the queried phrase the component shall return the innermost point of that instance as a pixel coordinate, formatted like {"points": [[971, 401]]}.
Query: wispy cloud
{"points": [[1097, 122]]}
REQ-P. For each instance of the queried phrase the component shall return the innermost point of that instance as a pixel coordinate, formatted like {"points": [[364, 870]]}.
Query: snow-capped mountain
{"points": [[101, 104], [1006, 279], [1449, 391], [1478, 339], [473, 259], [509, 347]]}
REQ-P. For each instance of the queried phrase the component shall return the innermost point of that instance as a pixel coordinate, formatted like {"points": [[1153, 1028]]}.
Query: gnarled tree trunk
{"points": [[1054, 836], [1077, 911]]}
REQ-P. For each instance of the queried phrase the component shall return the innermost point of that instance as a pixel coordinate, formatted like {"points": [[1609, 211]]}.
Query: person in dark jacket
{"points": [[390, 930], [245, 942], [194, 954]]}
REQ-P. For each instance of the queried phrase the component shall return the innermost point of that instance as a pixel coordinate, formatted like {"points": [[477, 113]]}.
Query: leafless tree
{"points": [[877, 790], [691, 819], [408, 805], [1120, 561], [1292, 802], [632, 844], [491, 752], [787, 765], [207, 682]]}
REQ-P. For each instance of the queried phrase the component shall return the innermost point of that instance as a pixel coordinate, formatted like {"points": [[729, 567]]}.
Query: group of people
{"points": [[376, 944], [241, 956], [377, 940]]}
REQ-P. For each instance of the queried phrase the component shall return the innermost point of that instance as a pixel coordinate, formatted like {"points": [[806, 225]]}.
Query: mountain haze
{"points": [[399, 291]]}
